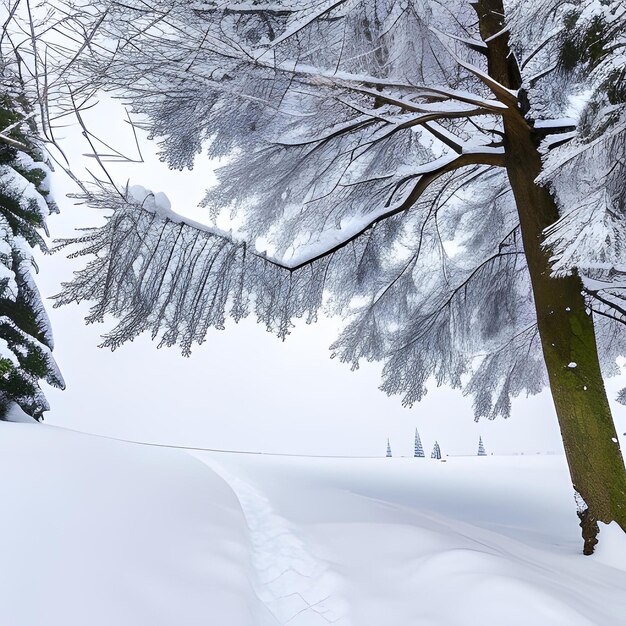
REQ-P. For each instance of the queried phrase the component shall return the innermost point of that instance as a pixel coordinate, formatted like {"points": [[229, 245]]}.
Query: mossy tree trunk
{"points": [[571, 356], [565, 326]]}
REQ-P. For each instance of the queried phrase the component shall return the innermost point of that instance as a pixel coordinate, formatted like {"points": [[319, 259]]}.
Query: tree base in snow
{"points": [[590, 530]]}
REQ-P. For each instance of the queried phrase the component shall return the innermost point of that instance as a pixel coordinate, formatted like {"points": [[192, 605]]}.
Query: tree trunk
{"points": [[570, 352], [565, 327]]}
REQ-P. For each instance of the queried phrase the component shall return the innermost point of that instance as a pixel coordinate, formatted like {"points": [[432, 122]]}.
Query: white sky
{"points": [[245, 389]]}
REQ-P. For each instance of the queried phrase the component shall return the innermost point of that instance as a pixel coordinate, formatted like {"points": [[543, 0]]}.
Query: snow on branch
{"points": [[443, 108], [506, 96], [177, 279], [589, 237], [308, 17], [161, 272], [332, 241]]}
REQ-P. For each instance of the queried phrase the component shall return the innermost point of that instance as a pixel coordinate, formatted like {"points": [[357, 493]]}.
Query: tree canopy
{"points": [[362, 142]]}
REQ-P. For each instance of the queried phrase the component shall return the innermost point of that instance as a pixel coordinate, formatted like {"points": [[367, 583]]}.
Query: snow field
{"points": [[101, 532]]}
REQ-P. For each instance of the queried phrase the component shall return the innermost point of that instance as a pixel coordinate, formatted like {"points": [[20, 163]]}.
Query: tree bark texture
{"points": [[565, 326]]}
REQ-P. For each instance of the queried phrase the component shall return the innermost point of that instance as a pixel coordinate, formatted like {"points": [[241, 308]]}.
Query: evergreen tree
{"points": [[481, 447], [418, 451], [388, 449], [436, 453], [25, 334]]}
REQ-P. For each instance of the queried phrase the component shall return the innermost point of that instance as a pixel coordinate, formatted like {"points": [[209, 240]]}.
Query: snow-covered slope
{"points": [[100, 532]]}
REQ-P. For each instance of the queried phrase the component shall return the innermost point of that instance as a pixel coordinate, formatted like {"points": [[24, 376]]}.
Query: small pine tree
{"points": [[388, 449], [481, 447], [436, 453], [419, 451]]}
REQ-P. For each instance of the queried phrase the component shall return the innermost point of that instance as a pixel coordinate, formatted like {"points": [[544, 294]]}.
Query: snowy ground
{"points": [[100, 532]]}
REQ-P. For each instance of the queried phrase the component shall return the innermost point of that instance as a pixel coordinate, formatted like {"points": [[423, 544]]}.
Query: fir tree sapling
{"points": [[418, 449], [481, 447], [436, 453]]}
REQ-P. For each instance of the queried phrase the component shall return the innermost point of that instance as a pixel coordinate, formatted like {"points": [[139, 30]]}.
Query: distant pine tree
{"points": [[436, 453], [389, 449], [419, 451], [481, 447]]}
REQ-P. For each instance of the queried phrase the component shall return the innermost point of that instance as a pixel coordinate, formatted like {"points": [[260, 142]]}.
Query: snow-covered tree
{"points": [[25, 334], [481, 447], [388, 454], [436, 453], [441, 174], [418, 450]]}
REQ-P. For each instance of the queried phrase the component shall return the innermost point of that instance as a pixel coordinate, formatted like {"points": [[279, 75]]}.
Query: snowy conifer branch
{"points": [[504, 95], [425, 177], [178, 280]]}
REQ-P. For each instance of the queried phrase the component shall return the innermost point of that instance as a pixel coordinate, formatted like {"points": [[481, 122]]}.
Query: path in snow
{"points": [[297, 587], [466, 542]]}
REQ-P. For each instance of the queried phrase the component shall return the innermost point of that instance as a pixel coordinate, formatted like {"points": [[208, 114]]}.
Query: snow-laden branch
{"points": [[320, 9], [418, 181], [443, 109], [246, 8], [176, 278], [506, 96], [331, 241]]}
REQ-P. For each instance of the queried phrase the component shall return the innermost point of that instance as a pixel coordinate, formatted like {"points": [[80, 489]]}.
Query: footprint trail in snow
{"points": [[297, 587]]}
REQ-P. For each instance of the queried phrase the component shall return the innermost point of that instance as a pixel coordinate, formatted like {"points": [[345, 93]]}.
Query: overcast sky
{"points": [[245, 389]]}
